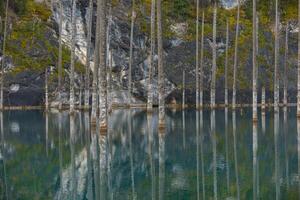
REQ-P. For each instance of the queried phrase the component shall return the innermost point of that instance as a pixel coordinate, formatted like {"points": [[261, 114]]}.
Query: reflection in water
{"points": [[298, 144], [276, 143], [214, 144], [47, 131], [131, 155], [60, 154], [88, 155], [103, 165], [95, 161], [227, 150], [161, 172], [5, 193], [73, 163], [150, 153], [201, 152], [197, 154], [255, 160], [130, 164], [237, 182], [285, 130], [183, 128]]}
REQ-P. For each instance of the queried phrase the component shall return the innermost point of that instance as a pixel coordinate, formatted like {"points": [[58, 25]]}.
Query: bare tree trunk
{"points": [[102, 68], [161, 86], [95, 70], [109, 82], [276, 78], [109, 60], [88, 57], [235, 56], [183, 90], [254, 64], [60, 57], [201, 62], [72, 91], [133, 15], [151, 60], [285, 93], [226, 63], [263, 99], [46, 90], [214, 62], [80, 91], [197, 57], [3, 57], [298, 84]]}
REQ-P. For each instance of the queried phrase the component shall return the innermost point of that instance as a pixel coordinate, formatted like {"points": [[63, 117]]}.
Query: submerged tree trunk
{"points": [[3, 57], [226, 63], [298, 84], [254, 67], [235, 56], [183, 90], [214, 62], [102, 68], [201, 62], [95, 69], [46, 90], [151, 59], [72, 91], [88, 57], [276, 78], [161, 87], [197, 56], [285, 93], [133, 15]]}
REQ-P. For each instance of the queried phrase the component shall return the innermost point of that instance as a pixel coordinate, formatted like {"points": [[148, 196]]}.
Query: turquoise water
{"points": [[200, 155]]}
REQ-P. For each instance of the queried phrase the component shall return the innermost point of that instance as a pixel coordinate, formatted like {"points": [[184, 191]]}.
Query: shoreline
{"points": [[144, 106]]}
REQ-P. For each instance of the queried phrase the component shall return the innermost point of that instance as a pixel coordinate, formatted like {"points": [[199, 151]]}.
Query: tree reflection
{"points": [[237, 182], [161, 173]]}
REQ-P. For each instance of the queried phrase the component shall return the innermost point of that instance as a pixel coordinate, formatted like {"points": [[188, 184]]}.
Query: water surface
{"points": [[200, 155]]}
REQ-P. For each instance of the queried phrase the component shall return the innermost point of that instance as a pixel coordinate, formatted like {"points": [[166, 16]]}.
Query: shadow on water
{"points": [[200, 155]]}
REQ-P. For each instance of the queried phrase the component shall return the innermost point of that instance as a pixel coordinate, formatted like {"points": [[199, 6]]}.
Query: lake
{"points": [[201, 155]]}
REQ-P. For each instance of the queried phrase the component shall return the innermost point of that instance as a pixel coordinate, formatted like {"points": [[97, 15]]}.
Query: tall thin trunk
{"points": [[263, 99], [109, 60], [3, 57], [285, 93], [133, 15], [46, 90], [109, 82], [151, 61], [197, 57], [80, 91], [88, 57], [95, 70], [161, 87], [254, 65], [214, 62], [298, 84], [60, 56], [276, 77], [236, 56], [226, 63], [183, 90], [102, 68], [201, 62], [72, 90]]}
